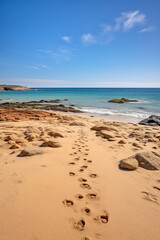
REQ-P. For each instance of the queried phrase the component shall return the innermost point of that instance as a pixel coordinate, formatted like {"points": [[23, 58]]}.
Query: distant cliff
{"points": [[14, 88]]}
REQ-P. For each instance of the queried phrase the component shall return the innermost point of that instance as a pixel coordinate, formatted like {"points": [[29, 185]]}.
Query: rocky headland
{"points": [[14, 88]]}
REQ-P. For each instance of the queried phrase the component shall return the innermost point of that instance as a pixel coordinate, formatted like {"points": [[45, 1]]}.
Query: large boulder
{"points": [[153, 120], [129, 163], [30, 151], [50, 144], [148, 160]]}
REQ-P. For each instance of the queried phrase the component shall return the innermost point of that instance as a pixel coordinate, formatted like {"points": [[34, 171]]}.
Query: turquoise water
{"points": [[95, 100]]}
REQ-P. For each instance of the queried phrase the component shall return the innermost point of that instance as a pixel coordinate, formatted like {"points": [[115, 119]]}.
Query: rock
{"points": [[19, 140], [50, 144], [106, 134], [122, 142], [8, 138], [129, 163], [30, 138], [122, 100], [100, 127], [55, 134], [148, 160], [77, 124], [30, 151], [153, 120], [136, 145], [14, 146]]}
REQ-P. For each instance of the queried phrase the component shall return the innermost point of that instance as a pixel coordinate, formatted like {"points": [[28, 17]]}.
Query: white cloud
{"points": [[34, 67], [88, 38], [59, 53], [43, 66], [106, 28], [39, 66], [148, 29], [129, 20], [66, 39]]}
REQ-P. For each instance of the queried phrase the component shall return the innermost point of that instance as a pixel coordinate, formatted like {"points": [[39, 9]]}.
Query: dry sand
{"points": [[77, 191]]}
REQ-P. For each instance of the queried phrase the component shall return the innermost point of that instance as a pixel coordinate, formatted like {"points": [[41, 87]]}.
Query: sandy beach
{"points": [[60, 179]]}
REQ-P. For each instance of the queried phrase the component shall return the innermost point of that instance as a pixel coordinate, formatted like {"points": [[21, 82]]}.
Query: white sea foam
{"points": [[103, 111]]}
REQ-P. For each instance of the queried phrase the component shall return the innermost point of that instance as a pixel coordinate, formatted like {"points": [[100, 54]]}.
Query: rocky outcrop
{"points": [[122, 100], [50, 144], [153, 120], [55, 134], [39, 106], [146, 160], [30, 151], [14, 88]]}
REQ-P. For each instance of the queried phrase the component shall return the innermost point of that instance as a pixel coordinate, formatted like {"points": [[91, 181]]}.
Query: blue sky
{"points": [[87, 43]]}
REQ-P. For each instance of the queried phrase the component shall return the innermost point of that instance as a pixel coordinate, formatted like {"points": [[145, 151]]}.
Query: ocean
{"points": [[94, 101]]}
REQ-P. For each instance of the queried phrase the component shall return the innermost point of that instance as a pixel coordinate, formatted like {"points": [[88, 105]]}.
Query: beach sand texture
{"points": [[61, 180]]}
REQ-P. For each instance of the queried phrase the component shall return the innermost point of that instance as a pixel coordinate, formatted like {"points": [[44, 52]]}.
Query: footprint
{"points": [[79, 196], [157, 188], [82, 180], [86, 211], [89, 161], [72, 163], [85, 185], [102, 218], [92, 196], [84, 166], [86, 238], [44, 165], [68, 203], [71, 173], [150, 197], [81, 170], [93, 175], [80, 225]]}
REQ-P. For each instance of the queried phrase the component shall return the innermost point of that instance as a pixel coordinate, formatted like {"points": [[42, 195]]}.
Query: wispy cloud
{"points": [[129, 20], [59, 53], [34, 67], [43, 66], [88, 38], [39, 66], [147, 29], [66, 39], [124, 23], [106, 28]]}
